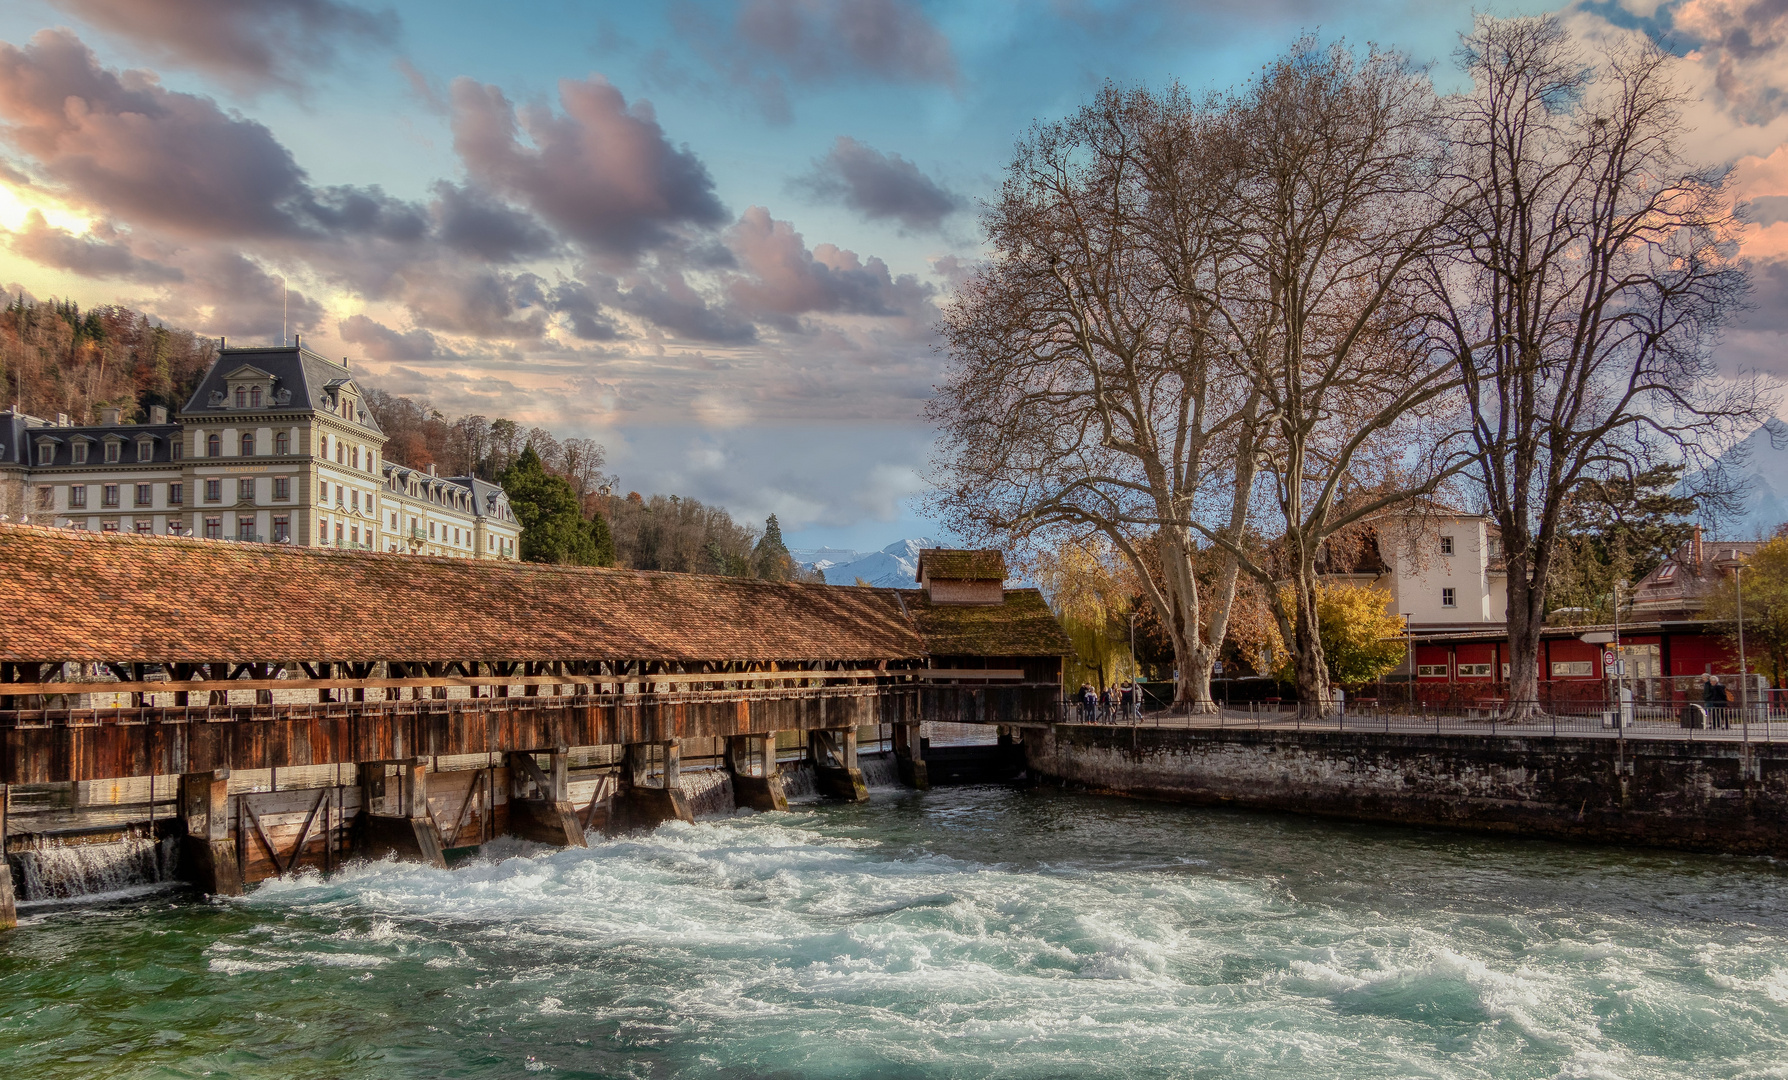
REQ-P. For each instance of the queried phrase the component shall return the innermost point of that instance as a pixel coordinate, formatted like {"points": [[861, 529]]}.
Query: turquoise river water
{"points": [[975, 932]]}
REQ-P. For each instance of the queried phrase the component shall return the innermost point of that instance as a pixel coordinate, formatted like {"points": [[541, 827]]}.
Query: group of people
{"points": [[1109, 705]]}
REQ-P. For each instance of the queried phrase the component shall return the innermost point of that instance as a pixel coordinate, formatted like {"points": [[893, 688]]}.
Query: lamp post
{"points": [[1409, 643], [1738, 579]]}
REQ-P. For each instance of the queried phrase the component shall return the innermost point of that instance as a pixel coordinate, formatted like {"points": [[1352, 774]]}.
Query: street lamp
{"points": [[1738, 579], [1409, 642]]}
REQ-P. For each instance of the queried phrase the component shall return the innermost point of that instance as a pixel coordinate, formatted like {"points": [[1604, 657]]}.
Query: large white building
{"points": [[275, 446], [1443, 569]]}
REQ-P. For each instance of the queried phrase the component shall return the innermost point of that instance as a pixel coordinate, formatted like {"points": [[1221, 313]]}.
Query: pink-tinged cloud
{"points": [[121, 145], [247, 43], [783, 278], [102, 253], [599, 171], [880, 186], [768, 44], [380, 342]]}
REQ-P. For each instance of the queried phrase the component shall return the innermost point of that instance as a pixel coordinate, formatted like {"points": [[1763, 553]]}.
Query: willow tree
{"points": [[1585, 270], [1090, 392]]}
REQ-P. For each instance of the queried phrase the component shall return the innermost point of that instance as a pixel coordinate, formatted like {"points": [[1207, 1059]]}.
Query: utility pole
{"points": [[1620, 672], [1744, 718], [1410, 645]]}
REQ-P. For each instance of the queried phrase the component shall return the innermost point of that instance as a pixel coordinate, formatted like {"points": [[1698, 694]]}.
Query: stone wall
{"points": [[1701, 796]]}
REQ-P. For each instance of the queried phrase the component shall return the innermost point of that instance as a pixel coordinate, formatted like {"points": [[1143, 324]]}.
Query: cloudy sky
{"points": [[714, 235]]}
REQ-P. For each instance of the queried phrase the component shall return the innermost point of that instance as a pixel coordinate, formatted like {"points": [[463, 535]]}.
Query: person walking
{"points": [[1127, 699], [1087, 704], [1718, 710], [1105, 704]]}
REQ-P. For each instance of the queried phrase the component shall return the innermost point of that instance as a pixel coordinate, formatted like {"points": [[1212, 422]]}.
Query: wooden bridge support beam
{"points": [[208, 855], [9, 911], [909, 757], [546, 816], [750, 789], [410, 833], [835, 768], [638, 805]]}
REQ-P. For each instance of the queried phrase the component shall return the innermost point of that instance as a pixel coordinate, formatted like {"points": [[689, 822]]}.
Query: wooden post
{"points": [[638, 805], [208, 857], [909, 756], [750, 790], [835, 768], [410, 833], [9, 911], [547, 817]]}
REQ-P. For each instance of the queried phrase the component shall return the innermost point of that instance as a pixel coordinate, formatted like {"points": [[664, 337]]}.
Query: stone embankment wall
{"points": [[1699, 796]]}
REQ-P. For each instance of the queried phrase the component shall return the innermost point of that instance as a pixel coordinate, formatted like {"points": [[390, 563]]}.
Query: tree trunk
{"points": [[1193, 653], [1527, 618], [1310, 667]]}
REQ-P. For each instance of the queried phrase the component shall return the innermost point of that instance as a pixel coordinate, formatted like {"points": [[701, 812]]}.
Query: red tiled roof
{"points": [[70, 595]]}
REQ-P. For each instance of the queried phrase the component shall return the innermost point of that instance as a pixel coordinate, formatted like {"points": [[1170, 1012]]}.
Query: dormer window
{"points": [[254, 397], [78, 453], [113, 446], [46, 452], [242, 397], [145, 450]]}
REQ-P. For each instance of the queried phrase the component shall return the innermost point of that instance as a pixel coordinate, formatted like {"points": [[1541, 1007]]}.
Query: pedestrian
{"points": [[1087, 704], [1105, 704], [1720, 699], [1127, 698], [1136, 700]]}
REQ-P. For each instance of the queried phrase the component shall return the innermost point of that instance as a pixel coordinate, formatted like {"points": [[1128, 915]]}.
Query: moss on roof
{"points": [[1022, 626], [953, 564]]}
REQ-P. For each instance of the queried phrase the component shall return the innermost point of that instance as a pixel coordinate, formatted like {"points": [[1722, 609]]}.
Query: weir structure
{"points": [[415, 706]]}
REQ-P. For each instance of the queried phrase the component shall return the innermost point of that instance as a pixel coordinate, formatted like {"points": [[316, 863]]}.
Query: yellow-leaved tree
{"points": [[1361, 639], [1766, 609], [1090, 592]]}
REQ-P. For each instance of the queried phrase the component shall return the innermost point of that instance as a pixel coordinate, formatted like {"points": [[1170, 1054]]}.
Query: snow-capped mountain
{"points": [[891, 568], [1761, 463]]}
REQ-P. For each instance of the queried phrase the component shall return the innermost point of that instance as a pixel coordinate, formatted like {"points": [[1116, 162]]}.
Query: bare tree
{"points": [[1087, 392], [584, 461], [1585, 271], [1332, 204]]}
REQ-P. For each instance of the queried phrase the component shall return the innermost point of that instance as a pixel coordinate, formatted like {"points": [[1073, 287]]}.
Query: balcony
{"points": [[350, 545], [418, 535]]}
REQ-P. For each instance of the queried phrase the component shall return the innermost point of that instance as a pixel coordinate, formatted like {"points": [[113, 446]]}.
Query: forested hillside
{"points": [[57, 359]]}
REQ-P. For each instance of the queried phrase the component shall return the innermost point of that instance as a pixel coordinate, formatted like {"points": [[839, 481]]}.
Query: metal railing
{"points": [[1764, 720]]}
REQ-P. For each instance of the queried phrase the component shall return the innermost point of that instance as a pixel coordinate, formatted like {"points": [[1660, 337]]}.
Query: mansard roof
{"points": [[305, 376], [72, 595], [19, 440]]}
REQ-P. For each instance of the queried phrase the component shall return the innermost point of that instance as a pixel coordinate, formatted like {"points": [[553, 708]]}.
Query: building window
{"points": [[282, 443], [394, 521], [254, 397], [340, 534], [1566, 668], [340, 498], [108, 526], [354, 500], [145, 495], [248, 444], [1474, 671], [242, 397], [108, 495], [354, 534], [245, 489], [214, 445], [245, 529], [77, 453], [176, 494], [145, 527], [145, 450], [214, 528], [214, 490], [431, 530], [1446, 545], [176, 527], [341, 453], [112, 447], [324, 444], [1447, 598], [282, 529], [176, 449], [1431, 671], [356, 457], [322, 532], [77, 497], [282, 488]]}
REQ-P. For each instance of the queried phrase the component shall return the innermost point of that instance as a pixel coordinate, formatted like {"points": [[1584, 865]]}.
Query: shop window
{"points": [[1567, 668]]}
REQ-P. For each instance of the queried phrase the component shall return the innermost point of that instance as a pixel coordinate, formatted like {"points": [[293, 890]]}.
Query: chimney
{"points": [[158, 414], [431, 468], [110, 416], [297, 341], [1695, 549], [61, 419], [344, 361]]}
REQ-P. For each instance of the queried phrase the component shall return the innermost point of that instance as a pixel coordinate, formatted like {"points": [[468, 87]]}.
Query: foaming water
{"points": [[959, 933]]}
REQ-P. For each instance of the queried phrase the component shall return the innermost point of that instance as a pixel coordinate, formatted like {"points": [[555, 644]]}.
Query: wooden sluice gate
{"points": [[415, 707]]}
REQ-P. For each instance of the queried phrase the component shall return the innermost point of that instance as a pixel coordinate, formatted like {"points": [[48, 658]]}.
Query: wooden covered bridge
{"points": [[419, 704]]}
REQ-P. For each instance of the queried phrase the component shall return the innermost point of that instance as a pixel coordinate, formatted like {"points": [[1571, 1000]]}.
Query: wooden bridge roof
{"points": [[72, 595]]}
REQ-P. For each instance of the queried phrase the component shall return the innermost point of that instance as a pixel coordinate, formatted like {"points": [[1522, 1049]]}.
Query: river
{"points": [[975, 932]]}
